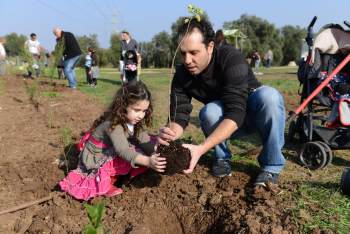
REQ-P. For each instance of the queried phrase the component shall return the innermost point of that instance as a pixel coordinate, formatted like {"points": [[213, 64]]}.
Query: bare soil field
{"points": [[33, 142]]}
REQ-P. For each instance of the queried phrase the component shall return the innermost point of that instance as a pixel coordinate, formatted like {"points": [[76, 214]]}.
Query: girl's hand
{"points": [[157, 163]]}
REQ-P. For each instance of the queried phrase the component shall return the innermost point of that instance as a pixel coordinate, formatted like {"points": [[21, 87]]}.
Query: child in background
{"points": [[91, 67], [112, 146]]}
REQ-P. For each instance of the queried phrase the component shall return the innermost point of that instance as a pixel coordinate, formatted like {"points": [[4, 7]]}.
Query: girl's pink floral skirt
{"points": [[84, 187]]}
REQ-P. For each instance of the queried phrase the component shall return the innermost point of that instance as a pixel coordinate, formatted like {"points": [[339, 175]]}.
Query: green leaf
{"points": [[190, 8], [95, 213], [89, 229], [99, 230], [100, 208], [92, 213]]}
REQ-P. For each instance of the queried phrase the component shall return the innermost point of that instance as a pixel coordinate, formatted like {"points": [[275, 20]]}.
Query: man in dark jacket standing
{"points": [[234, 101], [126, 43], [71, 54]]}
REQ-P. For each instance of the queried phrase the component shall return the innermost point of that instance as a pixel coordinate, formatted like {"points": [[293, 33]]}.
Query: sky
{"points": [[145, 18]]}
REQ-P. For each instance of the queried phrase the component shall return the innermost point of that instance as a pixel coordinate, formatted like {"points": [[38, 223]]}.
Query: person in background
{"points": [[220, 38], [2, 56], [256, 59], [34, 48], [268, 58], [71, 53], [91, 67], [126, 43]]}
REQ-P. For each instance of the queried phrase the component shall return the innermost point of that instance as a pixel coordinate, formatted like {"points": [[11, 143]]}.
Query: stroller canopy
{"points": [[331, 40]]}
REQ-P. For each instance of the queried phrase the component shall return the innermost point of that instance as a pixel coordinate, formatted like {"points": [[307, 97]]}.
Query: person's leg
{"points": [[210, 116], [113, 190], [266, 114], [121, 69], [95, 73], [36, 59], [69, 72], [87, 71]]}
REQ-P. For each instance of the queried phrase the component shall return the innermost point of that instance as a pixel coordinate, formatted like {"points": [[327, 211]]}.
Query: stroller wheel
{"points": [[291, 131], [329, 152], [345, 181], [313, 155]]}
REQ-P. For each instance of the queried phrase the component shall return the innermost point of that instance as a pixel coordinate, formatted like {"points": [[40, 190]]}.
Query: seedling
{"points": [[171, 152], [32, 91], [196, 13], [66, 140], [66, 136], [58, 53], [95, 214], [50, 119]]}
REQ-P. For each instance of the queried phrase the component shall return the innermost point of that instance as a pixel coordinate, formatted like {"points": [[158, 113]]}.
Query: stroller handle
{"points": [[309, 36], [313, 21], [347, 23]]}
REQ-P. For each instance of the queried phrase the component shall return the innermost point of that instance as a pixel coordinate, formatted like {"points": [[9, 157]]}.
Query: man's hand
{"points": [[166, 135], [196, 153]]}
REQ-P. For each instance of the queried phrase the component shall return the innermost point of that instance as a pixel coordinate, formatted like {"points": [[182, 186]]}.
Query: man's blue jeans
{"points": [[265, 115], [69, 72]]}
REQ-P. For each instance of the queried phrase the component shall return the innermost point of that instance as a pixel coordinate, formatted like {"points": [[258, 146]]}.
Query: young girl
{"points": [[91, 67], [111, 147]]}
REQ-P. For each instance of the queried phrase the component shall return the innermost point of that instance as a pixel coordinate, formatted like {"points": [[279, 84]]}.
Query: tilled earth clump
{"points": [[178, 157]]}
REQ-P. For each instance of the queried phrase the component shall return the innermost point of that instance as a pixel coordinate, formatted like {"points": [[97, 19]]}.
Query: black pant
{"points": [[89, 77]]}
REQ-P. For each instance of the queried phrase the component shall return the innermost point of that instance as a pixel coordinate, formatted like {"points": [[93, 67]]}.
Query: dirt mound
{"points": [[33, 139]]}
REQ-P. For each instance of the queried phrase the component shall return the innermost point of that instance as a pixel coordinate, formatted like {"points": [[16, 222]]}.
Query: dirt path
{"points": [[32, 143]]}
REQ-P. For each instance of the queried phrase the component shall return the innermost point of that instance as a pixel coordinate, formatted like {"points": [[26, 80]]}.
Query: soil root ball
{"points": [[178, 157]]}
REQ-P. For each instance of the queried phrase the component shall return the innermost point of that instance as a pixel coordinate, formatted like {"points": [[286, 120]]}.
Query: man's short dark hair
{"points": [[32, 35], [126, 32], [204, 26]]}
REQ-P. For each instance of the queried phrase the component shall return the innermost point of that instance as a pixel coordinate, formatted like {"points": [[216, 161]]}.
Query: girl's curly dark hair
{"points": [[128, 94]]}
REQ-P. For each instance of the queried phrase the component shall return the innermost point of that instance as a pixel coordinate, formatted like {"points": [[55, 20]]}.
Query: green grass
{"points": [[321, 206], [50, 94]]}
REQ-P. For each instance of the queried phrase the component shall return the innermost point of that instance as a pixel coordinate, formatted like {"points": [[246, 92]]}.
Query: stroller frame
{"points": [[319, 140]]}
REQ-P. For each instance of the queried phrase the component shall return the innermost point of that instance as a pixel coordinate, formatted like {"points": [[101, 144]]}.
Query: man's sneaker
{"points": [[222, 168], [264, 177]]}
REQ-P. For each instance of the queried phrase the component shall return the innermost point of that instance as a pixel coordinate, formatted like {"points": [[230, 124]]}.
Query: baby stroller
{"points": [[325, 94], [130, 66]]}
